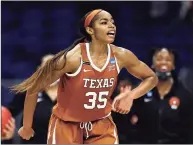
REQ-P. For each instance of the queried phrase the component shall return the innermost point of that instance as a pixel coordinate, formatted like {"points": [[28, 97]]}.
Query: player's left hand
{"points": [[123, 102]]}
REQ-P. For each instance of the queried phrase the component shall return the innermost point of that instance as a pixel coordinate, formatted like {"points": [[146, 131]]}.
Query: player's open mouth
{"points": [[111, 33]]}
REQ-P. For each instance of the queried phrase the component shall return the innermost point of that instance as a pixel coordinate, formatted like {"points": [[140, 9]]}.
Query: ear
{"points": [[89, 30]]}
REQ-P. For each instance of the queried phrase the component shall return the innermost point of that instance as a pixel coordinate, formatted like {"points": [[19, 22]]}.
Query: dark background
{"points": [[30, 30]]}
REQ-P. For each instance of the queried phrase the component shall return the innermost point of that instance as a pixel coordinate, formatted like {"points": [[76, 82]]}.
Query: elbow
{"points": [[155, 80]]}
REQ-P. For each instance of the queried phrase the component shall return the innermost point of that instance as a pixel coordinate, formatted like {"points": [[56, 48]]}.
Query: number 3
{"points": [[93, 100]]}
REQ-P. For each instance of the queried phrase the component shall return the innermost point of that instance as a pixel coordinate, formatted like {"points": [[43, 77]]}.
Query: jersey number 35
{"points": [[101, 96]]}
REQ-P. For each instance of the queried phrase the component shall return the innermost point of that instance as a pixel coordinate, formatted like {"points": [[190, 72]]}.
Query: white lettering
{"points": [[92, 84], [85, 82], [99, 83], [111, 82], [106, 83]]}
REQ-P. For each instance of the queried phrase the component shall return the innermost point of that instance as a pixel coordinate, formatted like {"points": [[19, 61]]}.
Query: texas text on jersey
{"points": [[85, 95]]}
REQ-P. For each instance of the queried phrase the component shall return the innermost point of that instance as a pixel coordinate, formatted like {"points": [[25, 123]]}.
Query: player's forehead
{"points": [[104, 15]]}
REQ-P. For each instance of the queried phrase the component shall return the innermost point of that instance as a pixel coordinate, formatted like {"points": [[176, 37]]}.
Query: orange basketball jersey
{"points": [[86, 94]]}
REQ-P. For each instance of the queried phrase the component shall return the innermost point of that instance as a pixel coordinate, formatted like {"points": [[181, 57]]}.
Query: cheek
{"points": [[171, 65], [156, 64], [100, 32]]}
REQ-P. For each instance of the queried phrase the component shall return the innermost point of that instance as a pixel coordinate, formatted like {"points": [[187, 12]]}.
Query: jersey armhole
{"points": [[77, 71], [118, 69]]}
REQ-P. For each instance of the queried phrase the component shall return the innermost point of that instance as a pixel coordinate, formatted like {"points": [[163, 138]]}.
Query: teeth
{"points": [[112, 32], [164, 67]]}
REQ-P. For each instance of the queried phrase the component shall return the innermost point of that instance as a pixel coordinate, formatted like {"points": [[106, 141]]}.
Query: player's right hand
{"points": [[26, 133]]}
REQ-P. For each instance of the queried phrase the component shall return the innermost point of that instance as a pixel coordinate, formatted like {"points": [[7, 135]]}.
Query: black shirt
{"points": [[165, 120], [41, 116]]}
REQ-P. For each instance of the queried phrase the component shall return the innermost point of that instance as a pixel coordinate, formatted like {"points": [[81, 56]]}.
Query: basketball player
{"points": [[88, 74]]}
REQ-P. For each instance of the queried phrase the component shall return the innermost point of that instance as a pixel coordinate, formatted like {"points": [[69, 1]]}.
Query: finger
{"points": [[113, 110], [6, 131], [9, 127], [125, 112], [12, 123], [21, 134], [114, 104], [12, 120], [33, 134], [121, 111], [24, 137], [117, 108]]}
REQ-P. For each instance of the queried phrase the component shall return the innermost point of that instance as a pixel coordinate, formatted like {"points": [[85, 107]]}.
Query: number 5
{"points": [[101, 99]]}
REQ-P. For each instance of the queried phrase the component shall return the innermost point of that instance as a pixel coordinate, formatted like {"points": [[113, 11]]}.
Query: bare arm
{"points": [[29, 108], [138, 69], [72, 63]]}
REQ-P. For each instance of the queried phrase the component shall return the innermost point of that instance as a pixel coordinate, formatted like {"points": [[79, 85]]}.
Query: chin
{"points": [[109, 41]]}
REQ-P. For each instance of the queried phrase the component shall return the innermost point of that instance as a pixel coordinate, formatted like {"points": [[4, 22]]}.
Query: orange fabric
{"points": [[86, 96], [103, 132], [90, 17]]}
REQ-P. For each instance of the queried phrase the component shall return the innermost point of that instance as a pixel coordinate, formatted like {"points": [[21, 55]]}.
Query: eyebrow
{"points": [[105, 19]]}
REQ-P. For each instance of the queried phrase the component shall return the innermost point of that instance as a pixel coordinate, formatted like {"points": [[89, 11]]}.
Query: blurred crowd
{"points": [[163, 116]]}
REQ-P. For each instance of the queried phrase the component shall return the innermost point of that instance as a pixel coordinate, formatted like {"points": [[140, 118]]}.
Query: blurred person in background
{"points": [[186, 78], [121, 120], [164, 114], [46, 100], [10, 127]]}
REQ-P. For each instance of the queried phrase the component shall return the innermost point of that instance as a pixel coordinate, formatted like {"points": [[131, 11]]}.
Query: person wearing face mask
{"points": [[163, 115]]}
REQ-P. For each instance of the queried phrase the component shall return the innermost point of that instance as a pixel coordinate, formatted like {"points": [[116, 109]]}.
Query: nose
{"points": [[111, 25], [164, 62]]}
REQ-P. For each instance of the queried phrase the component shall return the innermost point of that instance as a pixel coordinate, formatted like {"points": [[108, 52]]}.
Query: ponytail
{"points": [[42, 77]]}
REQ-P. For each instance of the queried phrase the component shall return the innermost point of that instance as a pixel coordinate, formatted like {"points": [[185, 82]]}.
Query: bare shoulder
{"points": [[124, 56], [120, 51], [73, 59], [74, 54]]}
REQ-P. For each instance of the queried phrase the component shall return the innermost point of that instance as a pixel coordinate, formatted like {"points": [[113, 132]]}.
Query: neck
{"points": [[164, 87], [167, 82], [98, 48], [52, 92]]}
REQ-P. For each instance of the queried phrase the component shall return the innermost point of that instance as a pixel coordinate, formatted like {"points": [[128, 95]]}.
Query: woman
{"points": [[88, 74], [45, 102], [164, 114]]}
